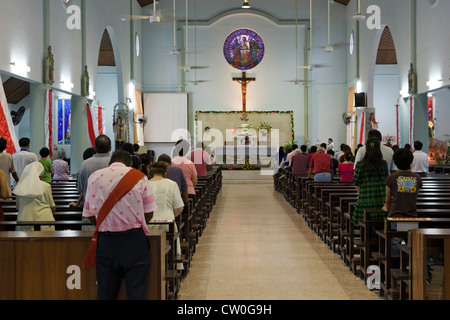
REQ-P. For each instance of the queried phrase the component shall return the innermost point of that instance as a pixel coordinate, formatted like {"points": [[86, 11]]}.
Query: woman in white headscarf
{"points": [[34, 199]]}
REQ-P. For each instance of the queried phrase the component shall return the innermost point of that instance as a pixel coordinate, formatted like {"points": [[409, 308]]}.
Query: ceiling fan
{"points": [[196, 82], [311, 66], [155, 16], [330, 47], [358, 16], [187, 67], [65, 3], [297, 81], [175, 50]]}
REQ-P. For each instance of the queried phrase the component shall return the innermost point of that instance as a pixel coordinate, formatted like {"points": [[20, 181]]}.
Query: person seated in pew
{"points": [[34, 200], [176, 174], [299, 162], [168, 200], [346, 168], [420, 164], [47, 163], [334, 160], [122, 249], [87, 154], [4, 194], [386, 151], [145, 163], [7, 164], [321, 166], [369, 178], [136, 162], [295, 150], [24, 156], [179, 159], [61, 167], [402, 187], [201, 159], [97, 161]]}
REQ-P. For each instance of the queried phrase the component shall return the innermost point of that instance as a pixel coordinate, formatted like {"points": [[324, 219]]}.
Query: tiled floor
{"points": [[256, 247]]}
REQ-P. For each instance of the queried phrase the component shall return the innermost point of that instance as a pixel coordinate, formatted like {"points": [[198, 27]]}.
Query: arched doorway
{"points": [[383, 88], [109, 86]]}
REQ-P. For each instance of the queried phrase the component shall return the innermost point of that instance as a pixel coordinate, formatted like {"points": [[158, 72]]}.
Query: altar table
{"points": [[233, 154]]}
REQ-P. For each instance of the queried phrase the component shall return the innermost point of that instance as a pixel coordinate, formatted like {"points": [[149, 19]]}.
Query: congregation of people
{"points": [[387, 178], [160, 190]]}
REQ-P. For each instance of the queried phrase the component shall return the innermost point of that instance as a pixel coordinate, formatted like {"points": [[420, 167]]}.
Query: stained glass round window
{"points": [[243, 49]]}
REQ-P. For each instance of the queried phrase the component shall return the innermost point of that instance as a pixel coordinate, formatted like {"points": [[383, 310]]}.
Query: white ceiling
{"points": [[208, 9]]}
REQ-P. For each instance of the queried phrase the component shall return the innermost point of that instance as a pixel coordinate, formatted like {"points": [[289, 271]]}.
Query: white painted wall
{"points": [[442, 113], [107, 95], [386, 91], [22, 37], [270, 91]]}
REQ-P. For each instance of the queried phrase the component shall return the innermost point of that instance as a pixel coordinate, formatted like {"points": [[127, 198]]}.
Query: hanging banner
{"points": [[411, 121], [397, 122], [96, 123], [90, 125], [48, 121], [362, 127], [7, 130]]}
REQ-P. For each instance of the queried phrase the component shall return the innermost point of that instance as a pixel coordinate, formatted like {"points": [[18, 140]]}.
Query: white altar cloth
{"points": [[237, 154]]}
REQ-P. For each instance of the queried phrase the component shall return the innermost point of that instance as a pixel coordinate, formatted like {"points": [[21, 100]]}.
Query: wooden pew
{"points": [[346, 205], [425, 243], [332, 217], [386, 258], [60, 225], [173, 275], [35, 266]]}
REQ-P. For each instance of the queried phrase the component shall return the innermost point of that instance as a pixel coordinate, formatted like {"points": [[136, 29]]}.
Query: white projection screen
{"points": [[167, 117]]}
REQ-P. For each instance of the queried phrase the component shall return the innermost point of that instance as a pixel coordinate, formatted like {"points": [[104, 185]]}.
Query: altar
{"points": [[260, 128], [263, 156]]}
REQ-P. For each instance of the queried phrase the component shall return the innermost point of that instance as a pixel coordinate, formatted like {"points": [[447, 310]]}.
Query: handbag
{"points": [[123, 187]]}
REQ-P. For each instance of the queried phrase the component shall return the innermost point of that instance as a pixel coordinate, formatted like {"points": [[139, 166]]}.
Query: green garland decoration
{"points": [[197, 113]]}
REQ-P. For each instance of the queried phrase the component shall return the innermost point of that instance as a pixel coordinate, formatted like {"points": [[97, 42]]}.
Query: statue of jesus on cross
{"points": [[244, 81]]}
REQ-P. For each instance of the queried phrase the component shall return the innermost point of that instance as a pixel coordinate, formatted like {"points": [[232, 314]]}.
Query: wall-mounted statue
{"points": [[49, 72], [85, 83], [412, 87]]}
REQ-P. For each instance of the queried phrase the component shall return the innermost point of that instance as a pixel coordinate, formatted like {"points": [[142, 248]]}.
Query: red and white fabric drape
{"points": [[411, 121], [397, 124], [362, 127], [7, 130], [96, 122], [48, 121]]}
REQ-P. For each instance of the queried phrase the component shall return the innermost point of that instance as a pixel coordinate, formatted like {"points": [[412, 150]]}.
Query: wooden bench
{"points": [[35, 266], [60, 225], [386, 258], [173, 275]]}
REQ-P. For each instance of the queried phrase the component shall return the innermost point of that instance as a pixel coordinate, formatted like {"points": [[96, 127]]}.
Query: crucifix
{"points": [[244, 81]]}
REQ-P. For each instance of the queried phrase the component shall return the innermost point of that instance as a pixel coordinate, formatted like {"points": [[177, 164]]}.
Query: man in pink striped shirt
{"points": [[122, 249]]}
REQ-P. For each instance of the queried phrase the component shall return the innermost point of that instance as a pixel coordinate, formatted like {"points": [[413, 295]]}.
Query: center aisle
{"points": [[257, 247]]}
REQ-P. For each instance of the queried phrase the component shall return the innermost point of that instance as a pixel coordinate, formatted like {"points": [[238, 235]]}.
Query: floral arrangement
{"points": [[265, 126], [389, 139], [247, 165]]}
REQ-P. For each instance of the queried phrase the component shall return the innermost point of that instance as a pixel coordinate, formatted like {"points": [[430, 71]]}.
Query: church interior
{"points": [[259, 76]]}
